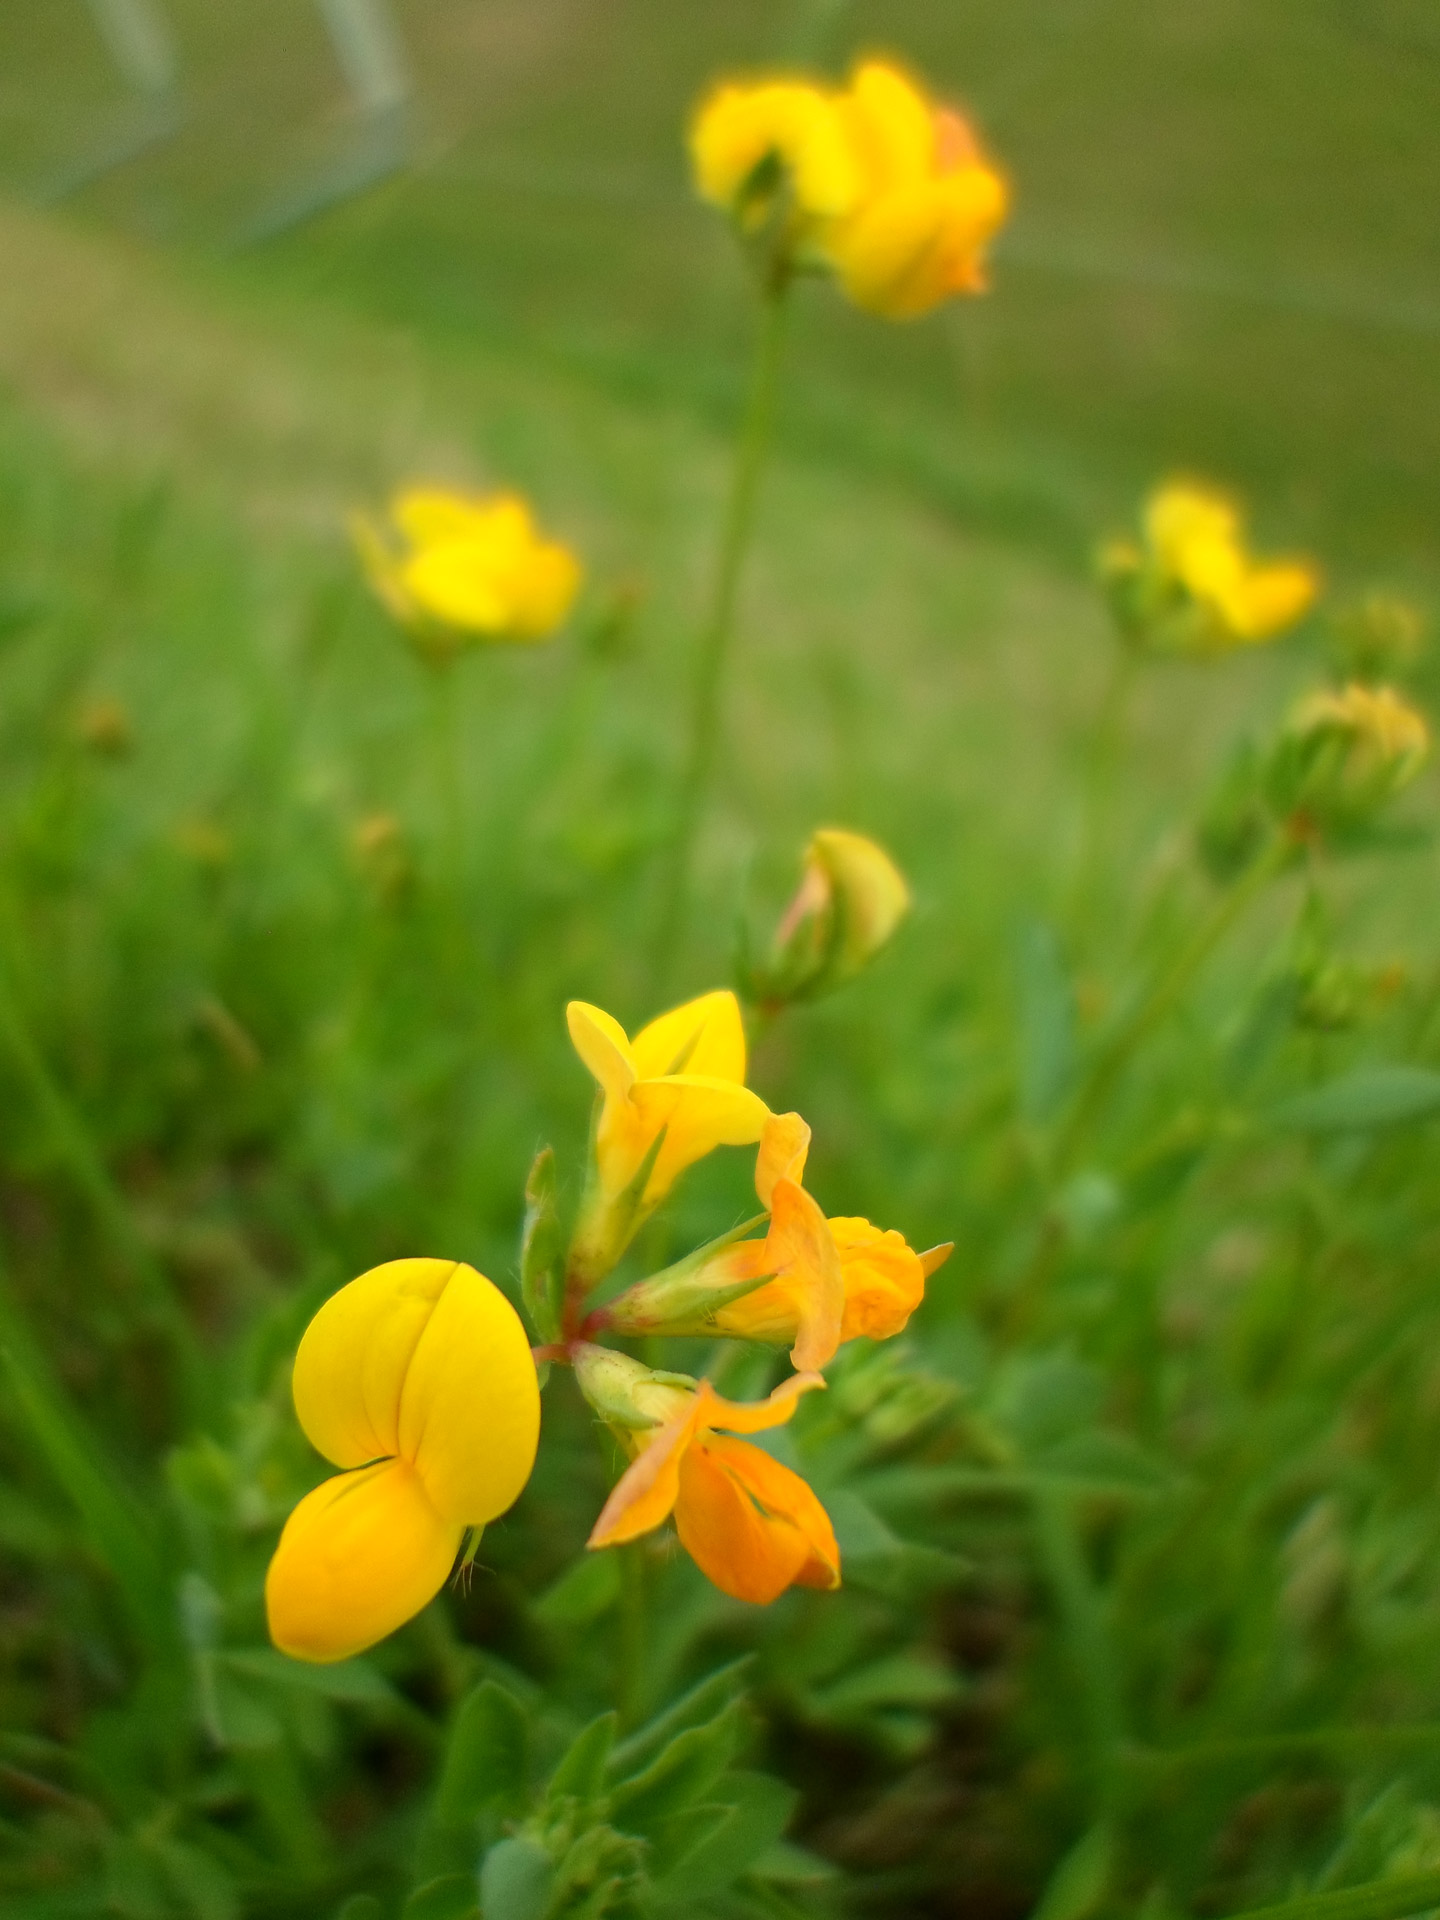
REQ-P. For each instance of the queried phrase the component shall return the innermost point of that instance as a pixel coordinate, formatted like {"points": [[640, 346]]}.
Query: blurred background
{"points": [[261, 264]]}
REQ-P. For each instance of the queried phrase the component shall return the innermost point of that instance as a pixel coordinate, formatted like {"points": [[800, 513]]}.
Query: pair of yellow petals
{"points": [[887, 189], [1195, 538]]}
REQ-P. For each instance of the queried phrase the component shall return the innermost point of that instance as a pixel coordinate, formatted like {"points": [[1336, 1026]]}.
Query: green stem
{"points": [[1390, 1899], [714, 644], [1163, 995], [73, 1144], [1104, 744], [445, 748]]}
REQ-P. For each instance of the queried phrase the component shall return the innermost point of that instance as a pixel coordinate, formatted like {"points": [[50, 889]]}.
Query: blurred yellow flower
{"points": [[1343, 755], [929, 202], [751, 1525], [1196, 543], [417, 1379], [875, 182], [454, 568], [670, 1096]]}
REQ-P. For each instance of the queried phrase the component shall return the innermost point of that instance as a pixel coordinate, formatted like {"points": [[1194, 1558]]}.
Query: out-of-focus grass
{"points": [[1180, 1403]]}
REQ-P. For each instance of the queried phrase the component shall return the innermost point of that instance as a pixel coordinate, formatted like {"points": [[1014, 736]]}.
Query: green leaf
{"points": [[680, 1775], [1377, 1900], [451, 1896], [1368, 1097], [581, 1774], [588, 1587], [350, 1682], [693, 1709], [679, 1835], [1079, 1883], [484, 1770], [516, 1881], [541, 1248], [761, 1808]]}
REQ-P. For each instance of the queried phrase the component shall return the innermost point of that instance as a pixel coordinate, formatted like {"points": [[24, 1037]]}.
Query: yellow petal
{"points": [[359, 1557], [352, 1361], [802, 1247], [706, 1037], [934, 1258], [1181, 512], [739, 126], [892, 127], [698, 1115], [470, 1407], [542, 589], [869, 888], [906, 252], [1270, 598], [784, 1147], [602, 1044], [457, 584], [754, 1416], [426, 516], [644, 1495], [883, 1279], [752, 1526]]}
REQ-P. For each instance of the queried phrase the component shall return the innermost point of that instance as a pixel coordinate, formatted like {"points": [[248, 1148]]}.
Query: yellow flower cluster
{"points": [[455, 569], [873, 182], [1192, 585], [417, 1380]]}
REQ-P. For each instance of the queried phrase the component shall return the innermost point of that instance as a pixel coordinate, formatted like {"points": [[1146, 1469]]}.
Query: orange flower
{"points": [[752, 1526]]}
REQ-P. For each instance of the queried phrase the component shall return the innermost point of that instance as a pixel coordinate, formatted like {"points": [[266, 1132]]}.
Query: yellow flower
{"points": [[928, 203], [822, 1282], [850, 900], [1196, 544], [752, 1526], [835, 1280], [454, 568], [750, 141], [417, 1379], [670, 1096]]}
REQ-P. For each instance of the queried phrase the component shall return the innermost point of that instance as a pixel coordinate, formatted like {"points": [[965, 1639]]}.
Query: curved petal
{"points": [[754, 1416], [784, 1147], [350, 1369], [803, 1250], [458, 584], [933, 1258], [705, 1037], [427, 516], [752, 1526], [698, 1115], [602, 1044], [469, 1420], [359, 1557], [645, 1493], [892, 125]]}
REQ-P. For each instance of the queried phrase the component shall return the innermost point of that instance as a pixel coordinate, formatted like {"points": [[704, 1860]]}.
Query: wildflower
{"points": [[418, 1381], [929, 202], [751, 143], [850, 901], [455, 568], [751, 1525], [1344, 755], [1193, 587], [811, 1284], [669, 1097]]}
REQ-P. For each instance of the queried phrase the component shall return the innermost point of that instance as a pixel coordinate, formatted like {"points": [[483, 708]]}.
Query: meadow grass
{"points": [[1139, 1518]]}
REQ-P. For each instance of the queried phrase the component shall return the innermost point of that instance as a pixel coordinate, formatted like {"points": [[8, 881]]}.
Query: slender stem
{"points": [[714, 644], [445, 747], [1163, 994]]}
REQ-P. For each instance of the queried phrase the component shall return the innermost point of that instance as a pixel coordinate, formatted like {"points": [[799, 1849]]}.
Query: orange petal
{"points": [[753, 1416], [752, 1526], [646, 1492], [784, 1145], [884, 1279], [803, 1250], [359, 1557]]}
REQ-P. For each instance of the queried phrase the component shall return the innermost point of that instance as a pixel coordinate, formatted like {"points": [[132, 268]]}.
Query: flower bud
{"points": [[1379, 638], [626, 1394], [1344, 755], [850, 900]]}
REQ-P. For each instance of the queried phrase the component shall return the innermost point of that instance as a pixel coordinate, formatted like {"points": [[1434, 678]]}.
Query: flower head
{"points": [[929, 202], [1193, 586], [850, 901], [1343, 755], [455, 569], [669, 1097], [811, 1284], [417, 1380], [752, 1526]]}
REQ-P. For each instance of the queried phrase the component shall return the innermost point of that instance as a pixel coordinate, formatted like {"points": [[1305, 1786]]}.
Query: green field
{"points": [[1142, 1608]]}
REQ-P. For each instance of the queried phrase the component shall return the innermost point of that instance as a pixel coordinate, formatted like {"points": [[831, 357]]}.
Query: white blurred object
{"points": [[140, 42], [368, 48]]}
